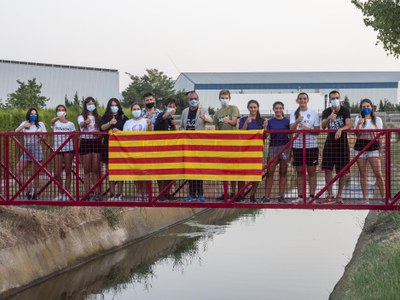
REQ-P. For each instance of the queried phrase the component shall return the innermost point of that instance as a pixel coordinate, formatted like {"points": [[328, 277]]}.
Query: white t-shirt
{"points": [[90, 128], [369, 125], [32, 139], [59, 139], [135, 125], [310, 119]]}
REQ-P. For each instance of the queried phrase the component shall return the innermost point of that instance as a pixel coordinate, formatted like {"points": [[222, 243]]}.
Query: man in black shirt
{"points": [[165, 121], [336, 153]]}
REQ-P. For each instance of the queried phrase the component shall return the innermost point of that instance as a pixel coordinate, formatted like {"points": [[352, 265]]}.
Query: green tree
{"points": [[346, 102], [384, 17], [381, 106], [27, 95], [154, 81], [76, 101]]}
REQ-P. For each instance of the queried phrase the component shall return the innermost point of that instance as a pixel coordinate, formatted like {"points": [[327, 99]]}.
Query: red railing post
{"points": [[77, 174], [7, 166], [304, 167], [388, 171]]}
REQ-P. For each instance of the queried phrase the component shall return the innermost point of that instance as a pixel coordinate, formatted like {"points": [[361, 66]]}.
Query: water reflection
{"points": [[134, 265], [222, 254]]}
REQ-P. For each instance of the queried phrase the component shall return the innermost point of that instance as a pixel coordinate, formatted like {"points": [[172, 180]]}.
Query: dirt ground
{"points": [[22, 224]]}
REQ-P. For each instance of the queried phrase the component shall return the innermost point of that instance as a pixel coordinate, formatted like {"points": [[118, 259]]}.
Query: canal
{"points": [[221, 254]]}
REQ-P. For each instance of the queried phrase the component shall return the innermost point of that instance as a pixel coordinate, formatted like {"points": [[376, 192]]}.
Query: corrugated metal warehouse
{"points": [[355, 85], [60, 80]]}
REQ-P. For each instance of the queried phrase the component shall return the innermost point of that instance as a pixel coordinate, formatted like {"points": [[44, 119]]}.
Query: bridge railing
{"points": [[30, 175]]}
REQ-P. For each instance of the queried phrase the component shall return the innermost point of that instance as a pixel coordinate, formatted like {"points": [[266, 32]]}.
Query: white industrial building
{"points": [[59, 81], [267, 87]]}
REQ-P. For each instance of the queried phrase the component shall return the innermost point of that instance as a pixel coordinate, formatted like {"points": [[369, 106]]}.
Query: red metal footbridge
{"points": [[28, 179]]}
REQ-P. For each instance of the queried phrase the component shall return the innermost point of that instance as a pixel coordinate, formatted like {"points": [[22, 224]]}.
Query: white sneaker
{"points": [[60, 197], [298, 200], [118, 197], [111, 198]]}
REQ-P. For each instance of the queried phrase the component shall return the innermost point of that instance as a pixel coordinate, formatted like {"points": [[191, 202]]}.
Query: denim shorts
{"points": [[35, 150]]}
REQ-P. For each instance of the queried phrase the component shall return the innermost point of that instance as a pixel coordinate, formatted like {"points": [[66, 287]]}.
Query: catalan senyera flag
{"points": [[200, 154]]}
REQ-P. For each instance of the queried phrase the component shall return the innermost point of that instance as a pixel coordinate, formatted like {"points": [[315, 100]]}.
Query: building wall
{"points": [[58, 81], [355, 91]]}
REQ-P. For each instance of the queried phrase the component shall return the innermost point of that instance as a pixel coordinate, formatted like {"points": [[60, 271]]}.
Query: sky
{"points": [[192, 36]]}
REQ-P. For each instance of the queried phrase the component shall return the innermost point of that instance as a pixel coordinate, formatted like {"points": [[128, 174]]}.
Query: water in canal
{"points": [[221, 254]]}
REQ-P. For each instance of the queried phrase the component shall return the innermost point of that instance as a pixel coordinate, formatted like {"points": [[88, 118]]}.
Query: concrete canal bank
{"points": [[38, 244]]}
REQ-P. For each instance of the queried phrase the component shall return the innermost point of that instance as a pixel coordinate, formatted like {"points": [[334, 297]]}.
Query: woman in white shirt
{"points": [[90, 145], [33, 146], [305, 119], [373, 154], [64, 157], [138, 123]]}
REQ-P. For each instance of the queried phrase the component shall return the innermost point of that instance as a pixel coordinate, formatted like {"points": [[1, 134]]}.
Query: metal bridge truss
{"points": [[14, 188]]}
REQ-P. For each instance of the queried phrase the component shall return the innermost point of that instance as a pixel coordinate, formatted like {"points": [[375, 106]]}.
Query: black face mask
{"points": [[150, 105]]}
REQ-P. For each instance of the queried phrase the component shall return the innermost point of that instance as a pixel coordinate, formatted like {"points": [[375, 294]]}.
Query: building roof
{"points": [[55, 66], [289, 77]]}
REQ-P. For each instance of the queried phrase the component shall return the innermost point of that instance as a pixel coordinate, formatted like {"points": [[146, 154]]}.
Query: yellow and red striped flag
{"points": [[197, 155]]}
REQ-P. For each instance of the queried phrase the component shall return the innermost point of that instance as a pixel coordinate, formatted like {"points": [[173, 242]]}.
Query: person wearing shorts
{"points": [[276, 143], [32, 144], [336, 153], [64, 157], [90, 145], [305, 119], [373, 154]]}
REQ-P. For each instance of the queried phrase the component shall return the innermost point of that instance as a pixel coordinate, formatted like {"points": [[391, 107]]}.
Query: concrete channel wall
{"points": [[29, 263]]}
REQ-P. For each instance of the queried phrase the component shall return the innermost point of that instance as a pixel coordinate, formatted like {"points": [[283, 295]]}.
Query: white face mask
{"points": [[60, 113], [90, 107], [335, 103], [224, 102], [136, 113], [114, 109], [169, 110]]}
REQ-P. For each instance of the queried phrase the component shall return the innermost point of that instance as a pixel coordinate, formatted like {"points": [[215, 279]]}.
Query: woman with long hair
{"points": [[305, 119], [138, 123], [90, 145], [33, 146], [373, 154], [65, 156], [253, 121], [114, 120], [276, 143]]}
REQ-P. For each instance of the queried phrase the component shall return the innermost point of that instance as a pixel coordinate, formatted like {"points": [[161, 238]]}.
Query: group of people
{"points": [[93, 146]]}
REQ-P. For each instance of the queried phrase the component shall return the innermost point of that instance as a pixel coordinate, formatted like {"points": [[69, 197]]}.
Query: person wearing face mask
{"points": [[33, 146], [336, 153], [150, 111], [138, 123], [165, 121], [226, 119], [373, 154], [65, 156], [194, 117], [90, 146], [112, 120]]}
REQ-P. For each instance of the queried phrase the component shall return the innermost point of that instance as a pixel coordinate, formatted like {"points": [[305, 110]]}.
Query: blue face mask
{"points": [[224, 102], [366, 111], [193, 102], [32, 118], [335, 103], [136, 113], [90, 107], [114, 109]]}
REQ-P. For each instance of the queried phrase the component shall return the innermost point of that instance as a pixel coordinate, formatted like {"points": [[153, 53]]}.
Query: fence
{"points": [[34, 169]]}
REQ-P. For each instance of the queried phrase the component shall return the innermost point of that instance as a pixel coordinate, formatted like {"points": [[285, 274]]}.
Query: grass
{"points": [[374, 272]]}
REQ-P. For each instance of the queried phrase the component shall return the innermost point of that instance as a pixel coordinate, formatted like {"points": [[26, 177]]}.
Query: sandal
{"points": [[339, 200], [329, 199]]}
